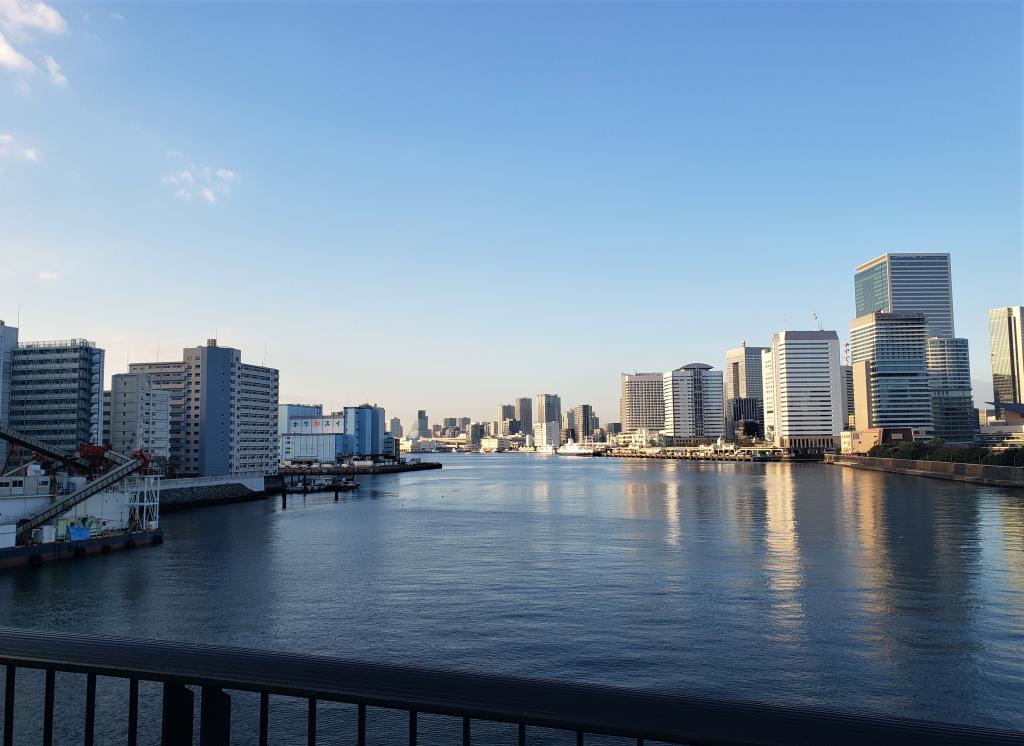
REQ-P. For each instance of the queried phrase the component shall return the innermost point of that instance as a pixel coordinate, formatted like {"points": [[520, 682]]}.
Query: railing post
{"points": [[412, 727], [90, 710], [179, 711], [9, 707], [311, 723], [361, 726], [133, 712], [214, 717], [51, 680]]}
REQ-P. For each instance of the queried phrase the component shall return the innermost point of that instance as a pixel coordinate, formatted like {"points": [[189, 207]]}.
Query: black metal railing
{"points": [[581, 709]]}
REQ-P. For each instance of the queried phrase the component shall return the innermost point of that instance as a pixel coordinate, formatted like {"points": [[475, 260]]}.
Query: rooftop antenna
{"points": [[815, 322], [17, 321]]}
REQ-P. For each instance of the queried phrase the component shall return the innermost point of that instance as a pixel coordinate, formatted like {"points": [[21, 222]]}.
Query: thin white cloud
{"points": [[11, 149], [20, 20], [206, 183], [48, 276], [116, 17], [12, 59], [20, 16], [53, 70]]}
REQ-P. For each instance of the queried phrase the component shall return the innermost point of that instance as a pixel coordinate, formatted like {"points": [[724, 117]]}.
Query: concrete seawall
{"points": [[997, 476]]}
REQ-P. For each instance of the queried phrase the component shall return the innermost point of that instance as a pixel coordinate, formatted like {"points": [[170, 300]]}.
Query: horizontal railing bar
{"points": [[596, 709]]}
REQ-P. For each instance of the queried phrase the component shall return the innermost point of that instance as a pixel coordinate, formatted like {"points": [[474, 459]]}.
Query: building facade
{"points": [[395, 427], [642, 402], [356, 431], [890, 371], [422, 424], [286, 411], [56, 392], [548, 410], [583, 421], [693, 403], [744, 389], [524, 413], [223, 412], [949, 378], [849, 419], [140, 416], [803, 399], [908, 283], [8, 344], [1006, 343]]}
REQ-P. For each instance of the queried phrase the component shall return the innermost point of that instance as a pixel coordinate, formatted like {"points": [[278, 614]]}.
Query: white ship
{"points": [[546, 450], [577, 449]]}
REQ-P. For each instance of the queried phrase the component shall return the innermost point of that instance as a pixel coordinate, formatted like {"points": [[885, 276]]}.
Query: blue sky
{"points": [[447, 205]]}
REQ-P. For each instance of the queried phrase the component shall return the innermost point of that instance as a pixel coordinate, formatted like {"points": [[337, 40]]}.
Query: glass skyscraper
{"points": [[908, 283], [1007, 346]]}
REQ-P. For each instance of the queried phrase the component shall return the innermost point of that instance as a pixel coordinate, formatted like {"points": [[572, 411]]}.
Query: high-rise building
{"points": [[583, 421], [422, 424], [57, 392], [803, 398], [744, 390], [908, 283], [223, 412], [546, 434], [548, 410], [890, 371], [8, 344], [474, 433], [463, 423], [140, 416], [524, 413], [506, 415], [848, 407], [693, 402], [642, 402], [1006, 342], [949, 378], [451, 422], [613, 428], [395, 427]]}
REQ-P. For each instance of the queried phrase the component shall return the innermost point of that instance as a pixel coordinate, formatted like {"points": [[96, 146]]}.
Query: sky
{"points": [[448, 205]]}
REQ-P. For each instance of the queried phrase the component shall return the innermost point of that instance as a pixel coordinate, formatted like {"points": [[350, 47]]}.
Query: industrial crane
{"points": [[91, 457]]}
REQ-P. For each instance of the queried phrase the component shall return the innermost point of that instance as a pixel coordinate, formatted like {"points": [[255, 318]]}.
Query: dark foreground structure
{"points": [[186, 670]]}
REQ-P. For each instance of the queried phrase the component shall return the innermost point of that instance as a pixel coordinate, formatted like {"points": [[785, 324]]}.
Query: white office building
{"points": [[642, 402], [803, 396], [223, 412], [140, 416], [693, 403]]}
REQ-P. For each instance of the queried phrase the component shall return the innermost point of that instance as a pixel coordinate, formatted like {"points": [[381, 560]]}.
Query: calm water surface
{"points": [[784, 583]]}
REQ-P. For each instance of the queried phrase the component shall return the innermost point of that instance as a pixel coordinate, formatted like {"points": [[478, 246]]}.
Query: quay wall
{"points": [[179, 494], [1000, 476]]}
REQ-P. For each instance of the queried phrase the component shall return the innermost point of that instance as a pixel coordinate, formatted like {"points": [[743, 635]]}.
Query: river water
{"points": [[801, 584]]}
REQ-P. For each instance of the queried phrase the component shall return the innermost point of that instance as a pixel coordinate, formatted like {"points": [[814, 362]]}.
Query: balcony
{"points": [[184, 670]]}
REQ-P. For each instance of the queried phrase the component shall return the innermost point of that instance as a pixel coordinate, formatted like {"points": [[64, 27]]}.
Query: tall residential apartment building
{"points": [[140, 416], [223, 412], [507, 423], [908, 283], [57, 392], [642, 402], [1006, 343], [949, 378], [744, 389], [890, 371], [8, 344], [524, 413], [693, 402], [548, 410], [803, 398], [422, 424]]}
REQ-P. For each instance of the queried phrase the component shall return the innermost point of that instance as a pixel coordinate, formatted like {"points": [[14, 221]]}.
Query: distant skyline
{"points": [[448, 206]]}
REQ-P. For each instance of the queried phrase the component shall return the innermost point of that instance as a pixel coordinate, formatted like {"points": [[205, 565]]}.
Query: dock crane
{"points": [[90, 457]]}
